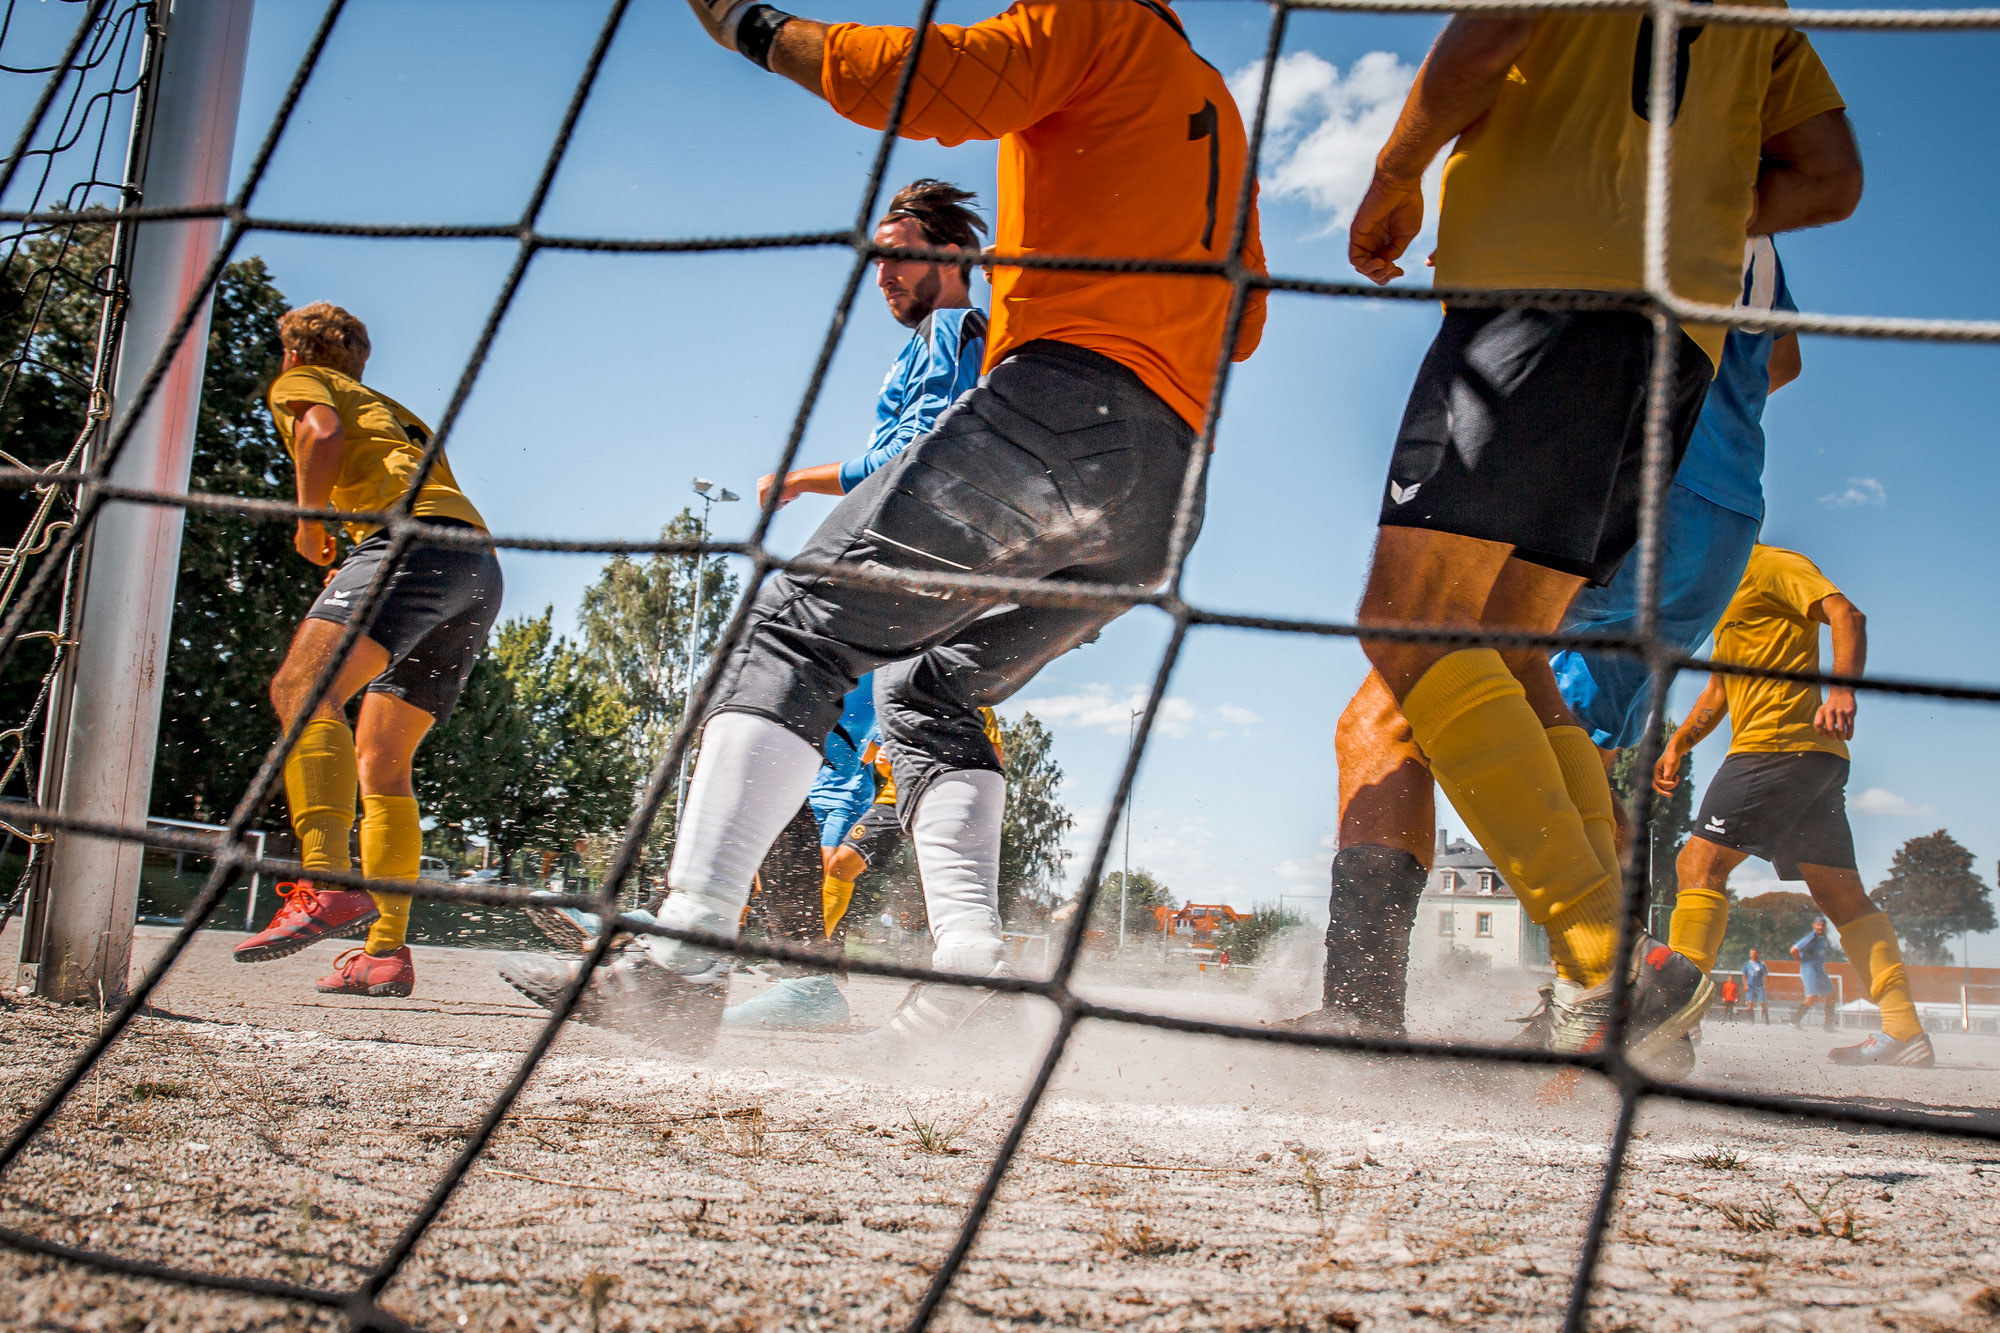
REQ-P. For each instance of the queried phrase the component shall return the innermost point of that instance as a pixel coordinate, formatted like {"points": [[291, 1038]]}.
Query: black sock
{"points": [[1370, 912]]}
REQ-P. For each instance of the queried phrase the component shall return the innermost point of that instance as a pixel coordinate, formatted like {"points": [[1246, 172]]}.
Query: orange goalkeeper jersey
{"points": [[1116, 140]]}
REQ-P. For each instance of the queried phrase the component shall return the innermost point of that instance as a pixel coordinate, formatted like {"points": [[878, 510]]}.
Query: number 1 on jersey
{"points": [[1202, 125]]}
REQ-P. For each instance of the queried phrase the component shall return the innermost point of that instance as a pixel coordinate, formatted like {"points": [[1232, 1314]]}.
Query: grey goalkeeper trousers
{"points": [[1061, 464]]}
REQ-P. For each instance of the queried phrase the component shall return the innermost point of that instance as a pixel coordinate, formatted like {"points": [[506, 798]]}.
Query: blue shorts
{"points": [[1707, 548], [1754, 994], [1814, 978]]}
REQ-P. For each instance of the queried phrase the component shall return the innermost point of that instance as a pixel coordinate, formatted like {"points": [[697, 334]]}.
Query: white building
{"points": [[1468, 915]]}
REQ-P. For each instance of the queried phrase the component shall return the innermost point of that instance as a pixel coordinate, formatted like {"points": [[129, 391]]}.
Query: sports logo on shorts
{"points": [[338, 595], [1403, 494], [1714, 825]]}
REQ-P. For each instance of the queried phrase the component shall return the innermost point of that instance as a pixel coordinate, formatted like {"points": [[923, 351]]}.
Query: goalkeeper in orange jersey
{"points": [[1066, 462], [359, 451]]}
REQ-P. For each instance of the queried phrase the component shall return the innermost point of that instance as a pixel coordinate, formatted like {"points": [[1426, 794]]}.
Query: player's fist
{"points": [[1388, 219], [721, 18], [1667, 772], [1836, 716], [314, 542]]}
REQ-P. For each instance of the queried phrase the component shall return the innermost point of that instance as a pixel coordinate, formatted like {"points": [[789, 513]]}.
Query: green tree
{"points": [[1770, 923], [635, 620], [242, 589], [50, 305], [1036, 822], [535, 755], [1934, 896], [1146, 893], [1246, 941], [1673, 816]]}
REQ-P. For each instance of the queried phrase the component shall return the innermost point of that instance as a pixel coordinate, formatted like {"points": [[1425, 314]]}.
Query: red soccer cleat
{"points": [[358, 972], [308, 915]]}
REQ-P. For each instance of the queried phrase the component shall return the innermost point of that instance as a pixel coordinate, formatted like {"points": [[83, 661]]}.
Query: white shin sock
{"points": [[749, 782], [957, 837]]}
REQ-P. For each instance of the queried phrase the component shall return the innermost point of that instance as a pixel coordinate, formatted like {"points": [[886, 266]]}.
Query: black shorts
{"points": [[1529, 427], [433, 618], [1786, 808], [876, 833]]}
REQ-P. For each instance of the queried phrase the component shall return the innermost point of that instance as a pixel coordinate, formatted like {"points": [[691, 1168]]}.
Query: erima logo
{"points": [[1403, 494], [339, 595], [1714, 824]]}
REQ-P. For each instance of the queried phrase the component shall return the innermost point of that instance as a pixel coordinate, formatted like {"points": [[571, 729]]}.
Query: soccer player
{"points": [[1387, 813], [1754, 973], [1811, 951], [939, 363], [357, 450], [1781, 793], [1066, 462], [1514, 480], [947, 345]]}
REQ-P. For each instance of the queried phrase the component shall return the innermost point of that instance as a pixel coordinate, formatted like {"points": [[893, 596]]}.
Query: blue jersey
{"points": [[845, 787], [1725, 457], [938, 364]]}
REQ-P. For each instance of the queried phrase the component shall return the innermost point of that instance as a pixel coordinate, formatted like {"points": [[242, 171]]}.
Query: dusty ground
{"points": [[1168, 1183]]}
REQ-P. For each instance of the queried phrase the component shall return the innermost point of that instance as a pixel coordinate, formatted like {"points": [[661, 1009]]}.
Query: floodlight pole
{"points": [[84, 947]]}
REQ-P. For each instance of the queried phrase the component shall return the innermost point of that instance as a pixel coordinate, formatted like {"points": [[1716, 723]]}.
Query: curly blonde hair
{"points": [[325, 335]]}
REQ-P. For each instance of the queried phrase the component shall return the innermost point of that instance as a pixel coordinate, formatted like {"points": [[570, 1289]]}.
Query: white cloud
{"points": [[1860, 491], [1882, 801], [1324, 128], [1097, 708], [1100, 708]]}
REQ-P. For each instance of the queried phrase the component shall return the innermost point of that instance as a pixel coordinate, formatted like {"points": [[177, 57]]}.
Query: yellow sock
{"points": [[1491, 756], [320, 782], [392, 847], [834, 895], [1701, 918], [1590, 792], [1870, 944]]}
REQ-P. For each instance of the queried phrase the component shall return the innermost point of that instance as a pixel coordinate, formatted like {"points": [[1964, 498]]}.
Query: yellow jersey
{"points": [[885, 776], [1769, 624], [384, 443], [1548, 189]]}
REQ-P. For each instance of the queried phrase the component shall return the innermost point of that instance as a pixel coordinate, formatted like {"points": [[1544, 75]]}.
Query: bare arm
{"points": [[1786, 363], [1460, 78], [318, 444], [821, 480], [799, 53], [1708, 711], [1850, 658], [1810, 176]]}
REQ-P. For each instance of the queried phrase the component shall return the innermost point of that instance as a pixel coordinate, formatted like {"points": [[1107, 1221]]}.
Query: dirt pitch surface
{"points": [[253, 1127]]}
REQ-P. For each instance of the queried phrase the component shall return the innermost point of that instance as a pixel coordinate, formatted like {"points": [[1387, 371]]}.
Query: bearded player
{"points": [[1066, 462], [359, 451]]}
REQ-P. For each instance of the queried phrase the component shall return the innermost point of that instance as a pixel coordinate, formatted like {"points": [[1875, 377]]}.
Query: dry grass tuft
{"points": [[939, 1138], [1721, 1159]]}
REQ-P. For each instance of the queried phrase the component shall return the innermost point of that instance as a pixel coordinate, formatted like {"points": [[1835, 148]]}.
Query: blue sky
{"points": [[615, 379]]}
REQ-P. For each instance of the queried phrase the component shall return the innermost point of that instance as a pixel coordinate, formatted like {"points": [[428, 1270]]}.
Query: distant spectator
{"points": [[1729, 999], [1754, 973]]}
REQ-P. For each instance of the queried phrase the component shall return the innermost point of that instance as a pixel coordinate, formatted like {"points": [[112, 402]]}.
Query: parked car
{"points": [[432, 867]]}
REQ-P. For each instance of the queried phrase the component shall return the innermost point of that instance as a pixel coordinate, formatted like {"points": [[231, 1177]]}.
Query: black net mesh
{"points": [[106, 33]]}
